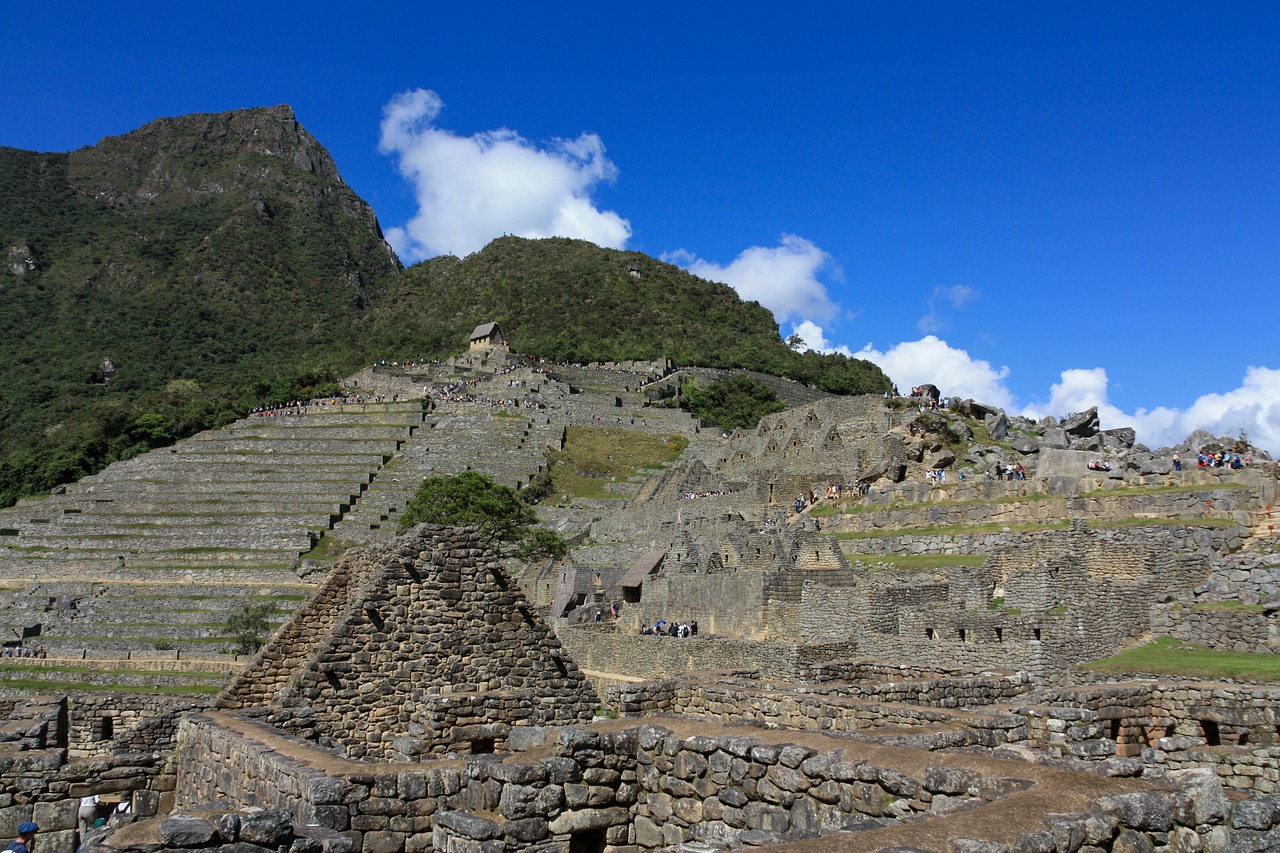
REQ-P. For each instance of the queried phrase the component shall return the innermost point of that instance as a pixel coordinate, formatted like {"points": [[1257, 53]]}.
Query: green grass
{"points": [[100, 671], [63, 687], [912, 562], [1168, 656], [328, 548], [595, 456], [1163, 522], [854, 509], [1234, 606], [1161, 490], [951, 530]]}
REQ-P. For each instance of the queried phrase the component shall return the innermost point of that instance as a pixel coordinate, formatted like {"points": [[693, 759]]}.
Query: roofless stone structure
{"points": [[425, 646]]}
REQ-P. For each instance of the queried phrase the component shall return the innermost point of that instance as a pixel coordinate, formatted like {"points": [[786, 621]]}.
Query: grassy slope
{"points": [[1168, 656]]}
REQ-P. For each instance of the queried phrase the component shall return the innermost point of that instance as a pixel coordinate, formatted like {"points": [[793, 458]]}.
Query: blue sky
{"points": [[1044, 206]]}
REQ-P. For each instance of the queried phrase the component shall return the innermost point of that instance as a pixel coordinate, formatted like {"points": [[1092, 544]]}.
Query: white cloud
{"points": [[815, 339], [934, 361], [782, 278], [956, 296], [1254, 408], [471, 189]]}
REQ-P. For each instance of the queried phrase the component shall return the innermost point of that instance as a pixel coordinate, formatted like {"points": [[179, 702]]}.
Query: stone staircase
{"points": [[504, 444], [1266, 527]]}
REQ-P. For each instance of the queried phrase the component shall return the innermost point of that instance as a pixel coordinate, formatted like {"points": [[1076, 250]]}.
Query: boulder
{"points": [[185, 831], [1056, 438], [1123, 437], [267, 828], [1083, 424], [997, 425]]}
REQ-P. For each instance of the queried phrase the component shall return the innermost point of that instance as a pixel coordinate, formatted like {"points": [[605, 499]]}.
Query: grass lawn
{"points": [[952, 530], [595, 456], [913, 562], [1167, 656], [63, 687]]}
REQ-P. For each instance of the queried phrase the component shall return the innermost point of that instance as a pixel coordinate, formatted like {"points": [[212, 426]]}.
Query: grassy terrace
{"points": [[996, 527], [596, 456], [948, 530], [848, 508], [917, 562], [36, 685], [1168, 656]]}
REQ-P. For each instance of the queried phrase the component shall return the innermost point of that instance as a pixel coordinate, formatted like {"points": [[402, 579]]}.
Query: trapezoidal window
{"points": [[104, 728], [1212, 736]]}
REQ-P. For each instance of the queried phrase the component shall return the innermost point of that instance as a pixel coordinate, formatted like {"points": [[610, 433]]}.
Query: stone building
{"points": [[486, 335], [425, 646]]}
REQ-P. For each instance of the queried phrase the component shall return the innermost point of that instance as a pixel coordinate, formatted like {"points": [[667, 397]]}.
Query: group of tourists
{"points": [[1222, 459], [23, 652], [663, 628], [714, 493], [293, 407], [832, 492], [1010, 471]]}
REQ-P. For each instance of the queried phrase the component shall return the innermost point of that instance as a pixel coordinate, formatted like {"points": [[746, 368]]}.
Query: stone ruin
{"points": [[418, 701], [425, 646]]}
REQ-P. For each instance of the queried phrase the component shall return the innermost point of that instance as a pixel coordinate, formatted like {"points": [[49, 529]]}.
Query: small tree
{"points": [[250, 625], [470, 499]]}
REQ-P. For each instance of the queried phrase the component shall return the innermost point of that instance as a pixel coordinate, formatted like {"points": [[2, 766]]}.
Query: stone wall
{"points": [[607, 651], [1231, 630], [968, 505], [1199, 538], [426, 646], [1231, 728], [652, 787], [840, 708]]}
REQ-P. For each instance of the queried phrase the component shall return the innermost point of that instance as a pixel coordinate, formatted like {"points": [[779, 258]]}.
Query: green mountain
{"points": [[167, 280]]}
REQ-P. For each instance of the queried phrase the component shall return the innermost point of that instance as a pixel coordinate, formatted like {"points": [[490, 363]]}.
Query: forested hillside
{"points": [[169, 279]]}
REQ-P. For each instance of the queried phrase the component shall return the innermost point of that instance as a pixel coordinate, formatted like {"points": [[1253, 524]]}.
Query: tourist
{"points": [[26, 838], [88, 812], [1177, 462]]}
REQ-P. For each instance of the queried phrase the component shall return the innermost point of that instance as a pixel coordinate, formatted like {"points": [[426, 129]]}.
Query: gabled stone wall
{"points": [[432, 649]]}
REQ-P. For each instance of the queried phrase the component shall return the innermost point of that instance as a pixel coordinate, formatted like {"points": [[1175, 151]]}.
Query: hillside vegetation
{"points": [[568, 300], [170, 279]]}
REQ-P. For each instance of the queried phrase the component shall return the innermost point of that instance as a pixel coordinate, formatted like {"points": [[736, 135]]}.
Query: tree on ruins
{"points": [[250, 625], [471, 499]]}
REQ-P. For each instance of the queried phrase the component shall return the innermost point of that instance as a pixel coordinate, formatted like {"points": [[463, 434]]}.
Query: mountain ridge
{"points": [[204, 264]]}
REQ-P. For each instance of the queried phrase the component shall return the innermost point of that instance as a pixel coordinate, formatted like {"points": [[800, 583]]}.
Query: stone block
{"points": [[11, 818], [383, 842], [186, 831], [580, 820], [56, 815]]}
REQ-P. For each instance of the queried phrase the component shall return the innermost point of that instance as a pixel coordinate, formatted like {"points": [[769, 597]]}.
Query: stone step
{"points": [[108, 525], [88, 677], [188, 539], [260, 430], [255, 447], [146, 509]]}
